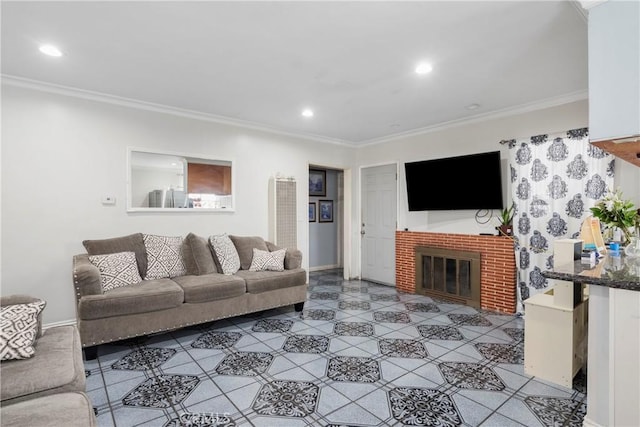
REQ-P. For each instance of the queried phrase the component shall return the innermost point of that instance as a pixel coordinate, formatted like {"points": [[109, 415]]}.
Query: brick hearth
{"points": [[497, 259]]}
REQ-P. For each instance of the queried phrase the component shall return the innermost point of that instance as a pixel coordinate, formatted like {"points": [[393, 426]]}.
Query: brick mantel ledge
{"points": [[497, 260]]}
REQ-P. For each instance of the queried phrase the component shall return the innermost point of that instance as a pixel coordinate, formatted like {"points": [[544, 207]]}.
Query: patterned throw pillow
{"points": [[226, 252], [18, 330], [116, 270], [164, 257], [268, 261]]}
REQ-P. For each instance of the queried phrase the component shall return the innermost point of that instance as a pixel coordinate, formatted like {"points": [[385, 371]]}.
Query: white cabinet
{"points": [[614, 69], [613, 374], [555, 336]]}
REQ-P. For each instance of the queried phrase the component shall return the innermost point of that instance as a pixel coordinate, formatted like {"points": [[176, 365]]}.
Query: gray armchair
{"points": [[47, 388]]}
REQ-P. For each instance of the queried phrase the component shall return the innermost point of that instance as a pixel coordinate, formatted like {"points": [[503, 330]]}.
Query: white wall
{"points": [[461, 140], [61, 154], [475, 138]]}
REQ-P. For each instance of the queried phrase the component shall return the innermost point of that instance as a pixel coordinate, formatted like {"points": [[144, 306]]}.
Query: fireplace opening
{"points": [[448, 274]]}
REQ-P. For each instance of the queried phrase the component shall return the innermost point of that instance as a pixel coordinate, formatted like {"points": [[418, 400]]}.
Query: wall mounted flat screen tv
{"points": [[455, 183]]}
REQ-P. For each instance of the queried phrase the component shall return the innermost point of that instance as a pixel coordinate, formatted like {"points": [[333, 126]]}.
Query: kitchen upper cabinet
{"points": [[614, 70]]}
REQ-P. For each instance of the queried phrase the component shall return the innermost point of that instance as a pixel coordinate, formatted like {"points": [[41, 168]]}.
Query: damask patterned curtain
{"points": [[555, 179]]}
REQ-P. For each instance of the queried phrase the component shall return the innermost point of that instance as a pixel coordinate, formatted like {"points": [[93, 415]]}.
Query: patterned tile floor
{"points": [[360, 354]]}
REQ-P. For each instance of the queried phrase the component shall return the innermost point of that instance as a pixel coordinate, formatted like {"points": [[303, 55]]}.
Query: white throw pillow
{"points": [[116, 270], [267, 261], [18, 330], [164, 257], [226, 253]]}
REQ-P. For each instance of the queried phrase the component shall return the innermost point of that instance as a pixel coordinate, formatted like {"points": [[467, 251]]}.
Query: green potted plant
{"points": [[614, 211], [506, 221]]}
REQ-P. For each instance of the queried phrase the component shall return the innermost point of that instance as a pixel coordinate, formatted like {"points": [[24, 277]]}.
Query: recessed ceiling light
{"points": [[472, 106], [307, 112], [51, 50], [424, 68]]}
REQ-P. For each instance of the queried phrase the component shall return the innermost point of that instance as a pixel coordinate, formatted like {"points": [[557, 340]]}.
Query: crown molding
{"points": [[159, 108], [521, 109], [582, 12], [588, 4], [195, 115]]}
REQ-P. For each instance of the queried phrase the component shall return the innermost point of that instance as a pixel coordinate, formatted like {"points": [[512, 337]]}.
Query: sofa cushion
{"points": [[130, 243], [263, 281], [56, 367], [19, 329], [245, 245], [197, 256], [267, 261], [210, 287], [116, 270], [226, 253], [65, 409], [164, 257], [143, 297]]}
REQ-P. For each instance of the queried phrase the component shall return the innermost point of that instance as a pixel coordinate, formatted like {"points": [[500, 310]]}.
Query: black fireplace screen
{"points": [[448, 274]]}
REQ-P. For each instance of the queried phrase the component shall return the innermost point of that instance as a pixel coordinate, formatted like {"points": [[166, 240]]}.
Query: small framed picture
{"points": [[312, 211], [326, 210], [317, 182]]}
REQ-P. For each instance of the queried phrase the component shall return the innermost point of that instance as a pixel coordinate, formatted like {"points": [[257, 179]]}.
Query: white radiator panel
{"points": [[283, 211]]}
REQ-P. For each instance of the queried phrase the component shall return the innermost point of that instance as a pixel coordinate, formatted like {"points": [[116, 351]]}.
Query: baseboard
{"points": [[586, 422], [325, 267], [70, 322]]}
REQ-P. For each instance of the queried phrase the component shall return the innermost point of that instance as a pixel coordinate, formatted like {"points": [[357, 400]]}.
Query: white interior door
{"points": [[378, 226]]}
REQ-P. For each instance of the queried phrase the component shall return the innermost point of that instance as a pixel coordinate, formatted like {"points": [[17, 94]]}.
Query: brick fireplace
{"points": [[497, 259]]}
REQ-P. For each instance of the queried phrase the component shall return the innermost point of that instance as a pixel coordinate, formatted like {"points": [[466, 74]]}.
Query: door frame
{"points": [[360, 209], [347, 227]]}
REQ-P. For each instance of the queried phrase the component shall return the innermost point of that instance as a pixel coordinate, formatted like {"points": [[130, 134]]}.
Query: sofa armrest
{"points": [[292, 258], [86, 277]]}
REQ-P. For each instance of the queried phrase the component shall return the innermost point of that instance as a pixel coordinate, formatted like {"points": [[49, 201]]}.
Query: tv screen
{"points": [[455, 183]]}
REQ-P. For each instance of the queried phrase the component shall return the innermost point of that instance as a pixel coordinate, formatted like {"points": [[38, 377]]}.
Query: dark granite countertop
{"points": [[619, 272]]}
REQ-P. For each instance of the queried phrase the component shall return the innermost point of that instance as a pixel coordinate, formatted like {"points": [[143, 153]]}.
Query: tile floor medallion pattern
{"points": [[353, 369], [420, 306], [383, 297], [287, 399], [306, 344], [360, 354], [359, 329], [423, 407], [354, 305], [216, 340], [144, 358], [438, 332], [471, 375], [397, 347], [318, 315], [244, 363], [161, 391]]}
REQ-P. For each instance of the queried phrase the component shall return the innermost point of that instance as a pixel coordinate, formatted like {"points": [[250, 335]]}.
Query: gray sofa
{"points": [[201, 295], [46, 389]]}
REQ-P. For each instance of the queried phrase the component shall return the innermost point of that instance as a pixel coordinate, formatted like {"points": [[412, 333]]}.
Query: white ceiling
{"points": [[260, 63]]}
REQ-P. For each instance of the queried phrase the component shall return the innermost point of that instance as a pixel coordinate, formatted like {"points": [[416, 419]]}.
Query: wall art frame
{"points": [[325, 210], [313, 211], [317, 182]]}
